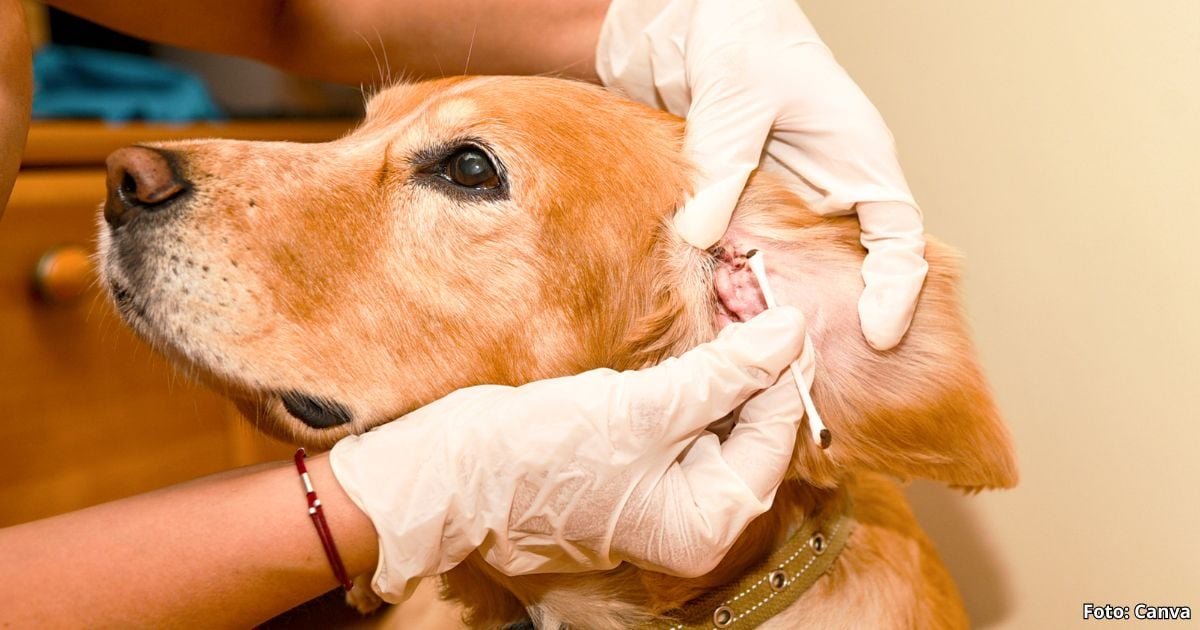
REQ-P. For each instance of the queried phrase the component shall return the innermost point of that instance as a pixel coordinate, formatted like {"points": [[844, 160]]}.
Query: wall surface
{"points": [[1057, 144]]}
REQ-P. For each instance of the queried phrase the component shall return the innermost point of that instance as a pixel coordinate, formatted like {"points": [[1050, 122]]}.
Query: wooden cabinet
{"points": [[88, 412]]}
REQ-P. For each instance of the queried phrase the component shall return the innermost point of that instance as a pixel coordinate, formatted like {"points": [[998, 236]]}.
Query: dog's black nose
{"points": [[140, 179]]}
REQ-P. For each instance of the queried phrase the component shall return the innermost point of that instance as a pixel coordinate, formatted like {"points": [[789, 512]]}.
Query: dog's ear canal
{"points": [[922, 409]]}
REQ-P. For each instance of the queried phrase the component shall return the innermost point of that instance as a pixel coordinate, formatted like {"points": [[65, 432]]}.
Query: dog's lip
{"points": [[121, 294], [124, 298], [315, 411]]}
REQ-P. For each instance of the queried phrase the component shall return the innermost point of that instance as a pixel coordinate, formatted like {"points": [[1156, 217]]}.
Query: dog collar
{"points": [[770, 586]]}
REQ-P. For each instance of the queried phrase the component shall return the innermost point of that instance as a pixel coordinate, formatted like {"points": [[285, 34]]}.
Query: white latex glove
{"points": [[583, 472], [759, 88]]}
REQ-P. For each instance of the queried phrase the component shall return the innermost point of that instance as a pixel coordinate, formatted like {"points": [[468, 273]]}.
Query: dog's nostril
{"points": [[140, 179], [128, 186]]}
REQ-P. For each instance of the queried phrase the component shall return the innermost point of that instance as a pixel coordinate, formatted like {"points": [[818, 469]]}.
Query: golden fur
{"points": [[330, 269]]}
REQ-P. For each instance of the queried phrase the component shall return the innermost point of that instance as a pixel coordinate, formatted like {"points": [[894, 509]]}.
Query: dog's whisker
{"points": [[383, 49], [438, 62], [471, 47], [561, 70], [378, 65]]}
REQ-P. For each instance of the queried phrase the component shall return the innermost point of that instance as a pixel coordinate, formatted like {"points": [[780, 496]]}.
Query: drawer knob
{"points": [[63, 274]]}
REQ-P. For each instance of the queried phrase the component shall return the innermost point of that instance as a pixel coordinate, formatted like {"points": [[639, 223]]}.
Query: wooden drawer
{"points": [[88, 412]]}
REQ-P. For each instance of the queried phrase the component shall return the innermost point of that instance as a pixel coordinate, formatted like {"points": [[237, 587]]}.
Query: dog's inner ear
{"points": [[922, 409]]}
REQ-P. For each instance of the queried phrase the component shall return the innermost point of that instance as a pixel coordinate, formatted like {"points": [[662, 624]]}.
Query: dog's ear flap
{"points": [[922, 409]]}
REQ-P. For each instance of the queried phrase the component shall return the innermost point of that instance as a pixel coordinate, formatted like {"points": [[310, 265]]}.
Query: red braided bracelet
{"points": [[318, 519]]}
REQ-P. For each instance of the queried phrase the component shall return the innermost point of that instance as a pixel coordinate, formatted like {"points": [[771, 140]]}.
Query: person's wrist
{"points": [[353, 531]]}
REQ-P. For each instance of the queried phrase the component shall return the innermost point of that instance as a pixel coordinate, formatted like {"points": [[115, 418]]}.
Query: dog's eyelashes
{"points": [[472, 168]]}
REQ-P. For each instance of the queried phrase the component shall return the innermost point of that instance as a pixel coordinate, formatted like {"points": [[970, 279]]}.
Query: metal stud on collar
{"points": [[817, 543], [722, 616], [778, 579]]}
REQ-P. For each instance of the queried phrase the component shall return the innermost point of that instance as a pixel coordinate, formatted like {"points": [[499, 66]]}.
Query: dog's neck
{"points": [[795, 503], [772, 585], [628, 597]]}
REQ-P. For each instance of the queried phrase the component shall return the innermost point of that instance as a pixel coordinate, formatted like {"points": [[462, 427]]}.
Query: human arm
{"points": [[232, 549], [356, 41], [16, 92], [760, 88]]}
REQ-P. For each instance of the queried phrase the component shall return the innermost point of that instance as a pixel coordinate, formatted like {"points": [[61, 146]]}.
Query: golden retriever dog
{"points": [[501, 230]]}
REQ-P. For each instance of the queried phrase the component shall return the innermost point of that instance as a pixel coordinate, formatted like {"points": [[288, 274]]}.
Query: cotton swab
{"points": [[820, 434]]}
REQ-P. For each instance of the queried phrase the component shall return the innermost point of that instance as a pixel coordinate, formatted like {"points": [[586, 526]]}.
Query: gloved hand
{"points": [[759, 88], [583, 472]]}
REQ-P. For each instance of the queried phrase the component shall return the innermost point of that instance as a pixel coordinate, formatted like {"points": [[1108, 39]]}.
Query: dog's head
{"points": [[471, 230], [500, 230]]}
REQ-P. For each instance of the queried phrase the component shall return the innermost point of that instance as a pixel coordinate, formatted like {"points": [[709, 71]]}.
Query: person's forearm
{"points": [[357, 41], [231, 549], [16, 89]]}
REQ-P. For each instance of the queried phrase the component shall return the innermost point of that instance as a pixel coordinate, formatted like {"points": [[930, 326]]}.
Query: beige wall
{"points": [[1057, 144]]}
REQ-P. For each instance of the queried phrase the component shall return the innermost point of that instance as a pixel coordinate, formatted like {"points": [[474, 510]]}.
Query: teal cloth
{"points": [[72, 82]]}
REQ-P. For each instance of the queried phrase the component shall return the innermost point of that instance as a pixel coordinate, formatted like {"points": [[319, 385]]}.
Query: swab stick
{"points": [[820, 434]]}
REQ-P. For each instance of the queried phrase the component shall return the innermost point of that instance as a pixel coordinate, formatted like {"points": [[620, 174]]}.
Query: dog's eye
{"points": [[472, 168], [465, 170]]}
